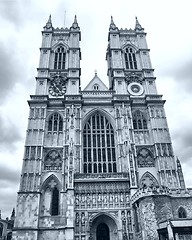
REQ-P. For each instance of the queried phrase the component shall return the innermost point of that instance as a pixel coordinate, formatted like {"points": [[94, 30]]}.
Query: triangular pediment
{"points": [[96, 85]]}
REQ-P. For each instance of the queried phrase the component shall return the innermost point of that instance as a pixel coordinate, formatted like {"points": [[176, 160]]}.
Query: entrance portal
{"points": [[103, 227], [102, 232]]}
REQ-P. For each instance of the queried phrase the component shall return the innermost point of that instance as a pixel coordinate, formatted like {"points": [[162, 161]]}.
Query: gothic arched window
{"points": [[55, 202], [139, 120], [55, 123], [182, 213], [98, 146], [59, 60], [130, 58]]}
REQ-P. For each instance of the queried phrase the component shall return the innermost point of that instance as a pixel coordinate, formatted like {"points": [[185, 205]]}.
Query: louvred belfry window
{"points": [[59, 60], [130, 58], [98, 146]]}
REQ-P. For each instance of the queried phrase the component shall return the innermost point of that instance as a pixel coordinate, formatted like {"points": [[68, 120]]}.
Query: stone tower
{"points": [[94, 159]]}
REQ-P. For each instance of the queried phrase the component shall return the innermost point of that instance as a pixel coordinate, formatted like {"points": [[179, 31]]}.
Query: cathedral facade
{"points": [[99, 163]]}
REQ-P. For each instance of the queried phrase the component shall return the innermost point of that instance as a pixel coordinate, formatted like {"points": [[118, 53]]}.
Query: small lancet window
{"points": [[55, 202], [95, 87], [139, 120], [130, 58], [182, 213], [60, 58], [55, 123]]}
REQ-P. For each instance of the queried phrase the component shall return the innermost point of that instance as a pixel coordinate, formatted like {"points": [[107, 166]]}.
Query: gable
{"points": [[96, 85]]}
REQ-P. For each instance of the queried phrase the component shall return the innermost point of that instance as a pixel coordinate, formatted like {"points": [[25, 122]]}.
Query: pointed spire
{"points": [[49, 20], [112, 22], [138, 25], [13, 214], [75, 19], [49, 23], [75, 24], [112, 25]]}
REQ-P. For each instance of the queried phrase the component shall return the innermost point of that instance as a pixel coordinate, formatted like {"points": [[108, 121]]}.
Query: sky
{"points": [[169, 37]]}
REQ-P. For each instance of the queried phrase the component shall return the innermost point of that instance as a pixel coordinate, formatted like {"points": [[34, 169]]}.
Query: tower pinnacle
{"points": [[112, 25], [138, 25], [75, 24], [49, 23]]}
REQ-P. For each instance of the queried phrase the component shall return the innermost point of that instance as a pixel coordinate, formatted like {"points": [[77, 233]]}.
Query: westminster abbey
{"points": [[98, 163]]}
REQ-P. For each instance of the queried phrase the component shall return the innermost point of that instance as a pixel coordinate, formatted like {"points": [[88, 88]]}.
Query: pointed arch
{"points": [[50, 196], [60, 52], [55, 123], [148, 181], [101, 111], [99, 154], [182, 212], [101, 215], [129, 44], [130, 58], [60, 43], [52, 178]]}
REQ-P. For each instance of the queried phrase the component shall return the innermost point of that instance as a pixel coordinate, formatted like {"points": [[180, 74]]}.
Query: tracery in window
{"points": [[139, 120], [98, 146], [182, 213], [130, 58], [145, 158], [55, 123], [59, 60], [53, 161]]}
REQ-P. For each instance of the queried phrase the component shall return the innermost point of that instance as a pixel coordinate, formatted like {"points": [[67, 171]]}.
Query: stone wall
{"points": [[148, 219]]}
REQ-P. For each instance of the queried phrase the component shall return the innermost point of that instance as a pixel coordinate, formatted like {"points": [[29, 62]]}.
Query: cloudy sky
{"points": [[168, 25]]}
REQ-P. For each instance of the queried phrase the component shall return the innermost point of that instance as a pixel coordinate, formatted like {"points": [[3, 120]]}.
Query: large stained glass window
{"points": [[98, 146]]}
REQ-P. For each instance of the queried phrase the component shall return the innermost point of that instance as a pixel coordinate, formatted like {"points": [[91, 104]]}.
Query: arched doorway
{"points": [[103, 227], [102, 232]]}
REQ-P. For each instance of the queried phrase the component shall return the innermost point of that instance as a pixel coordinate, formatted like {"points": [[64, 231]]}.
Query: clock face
{"points": [[57, 88], [135, 89]]}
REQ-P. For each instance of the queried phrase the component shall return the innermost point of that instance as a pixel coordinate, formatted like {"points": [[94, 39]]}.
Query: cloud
{"points": [[11, 11], [183, 75], [9, 74], [8, 175], [9, 184], [10, 134]]}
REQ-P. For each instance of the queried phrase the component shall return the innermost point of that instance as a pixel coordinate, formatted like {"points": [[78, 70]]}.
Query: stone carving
{"points": [[148, 181], [102, 200], [133, 77], [145, 158], [123, 219], [53, 161]]}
